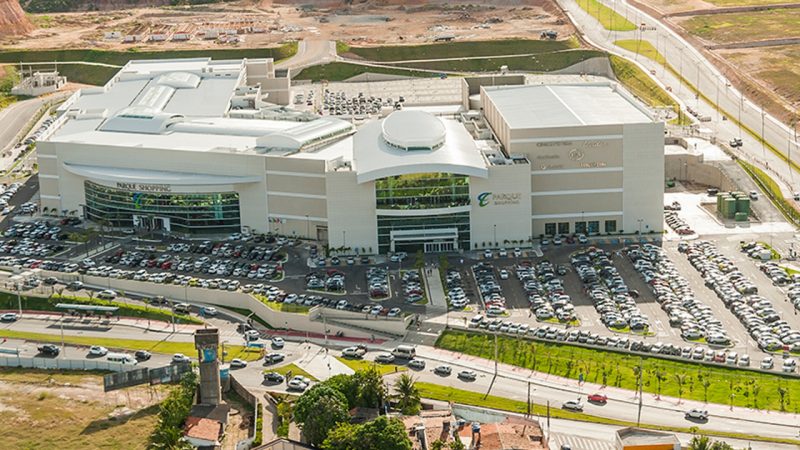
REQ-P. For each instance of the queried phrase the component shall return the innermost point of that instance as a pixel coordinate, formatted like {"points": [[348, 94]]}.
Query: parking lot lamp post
{"points": [[63, 346], [172, 310], [19, 298], [308, 228], [495, 234]]}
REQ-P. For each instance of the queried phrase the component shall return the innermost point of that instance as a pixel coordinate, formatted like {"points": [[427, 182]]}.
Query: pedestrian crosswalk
{"points": [[557, 440]]}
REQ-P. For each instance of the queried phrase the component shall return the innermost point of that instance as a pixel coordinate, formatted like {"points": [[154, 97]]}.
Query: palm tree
{"points": [[700, 443], [782, 391], [660, 377], [681, 380], [706, 384], [407, 394]]}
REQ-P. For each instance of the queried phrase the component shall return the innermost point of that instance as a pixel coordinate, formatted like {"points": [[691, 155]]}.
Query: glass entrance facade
{"points": [[388, 223], [216, 212]]}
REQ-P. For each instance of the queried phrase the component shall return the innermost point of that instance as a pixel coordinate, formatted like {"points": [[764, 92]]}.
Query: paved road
{"points": [[309, 53], [14, 117], [701, 73]]}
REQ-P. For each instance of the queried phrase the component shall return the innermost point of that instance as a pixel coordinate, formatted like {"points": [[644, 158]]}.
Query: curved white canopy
{"points": [[145, 176]]}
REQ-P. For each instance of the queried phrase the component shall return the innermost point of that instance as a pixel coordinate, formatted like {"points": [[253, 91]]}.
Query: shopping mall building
{"points": [[205, 147]]}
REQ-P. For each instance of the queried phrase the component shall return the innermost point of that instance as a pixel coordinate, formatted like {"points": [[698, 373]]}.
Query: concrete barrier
{"points": [[59, 363]]}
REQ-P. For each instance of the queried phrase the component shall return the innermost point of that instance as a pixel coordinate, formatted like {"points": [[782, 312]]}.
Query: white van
{"points": [[123, 358], [404, 352]]}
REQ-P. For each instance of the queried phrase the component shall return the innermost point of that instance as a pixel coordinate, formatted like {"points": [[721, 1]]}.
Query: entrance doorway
{"points": [[430, 240], [151, 223]]}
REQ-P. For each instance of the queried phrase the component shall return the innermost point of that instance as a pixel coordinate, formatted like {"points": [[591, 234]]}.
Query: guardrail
{"points": [[60, 363]]}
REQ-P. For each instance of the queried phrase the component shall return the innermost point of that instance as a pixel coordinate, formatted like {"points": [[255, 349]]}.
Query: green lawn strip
{"points": [[99, 75], [247, 313], [744, 26], [340, 71], [361, 364], [774, 253], [641, 47], [294, 368], [642, 86], [283, 307], [773, 191], [463, 49], [615, 368], [8, 301], [166, 347], [449, 394], [543, 62], [608, 18]]}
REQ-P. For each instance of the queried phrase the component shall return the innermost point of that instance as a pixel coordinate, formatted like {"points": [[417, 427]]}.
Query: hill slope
{"points": [[12, 19]]}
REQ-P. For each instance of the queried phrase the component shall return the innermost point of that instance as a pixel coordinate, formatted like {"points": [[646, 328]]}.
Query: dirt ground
{"points": [[672, 6], [72, 411], [264, 22]]}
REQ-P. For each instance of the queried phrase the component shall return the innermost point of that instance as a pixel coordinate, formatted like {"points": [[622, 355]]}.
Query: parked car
{"points": [[418, 364], [142, 355], [180, 357], [277, 342], [272, 358], [384, 358], [9, 317], [48, 350], [296, 385], [353, 352]]}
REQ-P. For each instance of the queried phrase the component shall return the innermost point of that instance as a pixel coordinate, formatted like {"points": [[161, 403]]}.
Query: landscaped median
{"points": [[608, 18], [166, 347], [8, 301], [688, 380], [283, 307], [361, 364], [292, 368], [460, 396]]}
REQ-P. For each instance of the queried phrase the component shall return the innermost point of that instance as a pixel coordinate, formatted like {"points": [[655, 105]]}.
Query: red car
{"points": [[598, 398]]}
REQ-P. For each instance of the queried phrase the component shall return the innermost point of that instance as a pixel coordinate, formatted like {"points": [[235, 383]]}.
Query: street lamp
{"points": [[494, 226], [308, 228]]}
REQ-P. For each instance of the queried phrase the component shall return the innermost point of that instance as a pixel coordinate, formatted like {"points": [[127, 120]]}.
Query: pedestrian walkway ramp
{"points": [[437, 300]]}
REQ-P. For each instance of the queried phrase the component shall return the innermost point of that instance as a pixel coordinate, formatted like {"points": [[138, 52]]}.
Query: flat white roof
{"points": [[565, 105], [374, 158]]}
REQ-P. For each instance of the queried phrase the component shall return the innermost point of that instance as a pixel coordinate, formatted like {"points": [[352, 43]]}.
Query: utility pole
{"points": [[639, 415], [19, 298], [763, 142], [495, 355], [63, 346], [529, 398]]}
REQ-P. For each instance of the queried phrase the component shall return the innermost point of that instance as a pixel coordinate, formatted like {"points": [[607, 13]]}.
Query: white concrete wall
{"points": [[511, 220], [352, 221], [643, 177]]}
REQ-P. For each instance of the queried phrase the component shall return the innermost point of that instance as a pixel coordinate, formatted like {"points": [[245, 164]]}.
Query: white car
{"points": [[97, 350], [278, 342], [697, 414], [503, 274], [789, 365], [767, 363], [9, 317], [353, 352], [180, 357], [237, 363], [209, 311], [744, 361], [573, 405], [296, 385], [468, 375], [252, 335], [418, 364], [394, 312], [107, 294], [443, 370]]}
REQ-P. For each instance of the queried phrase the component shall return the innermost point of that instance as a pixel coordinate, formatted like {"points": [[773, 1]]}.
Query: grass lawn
{"points": [[642, 47], [187, 348], [445, 393], [639, 83], [294, 368], [278, 306], [778, 66], [339, 71], [543, 62], [42, 413], [9, 301], [608, 18], [750, 389], [362, 364], [246, 312], [745, 26], [460, 49]]}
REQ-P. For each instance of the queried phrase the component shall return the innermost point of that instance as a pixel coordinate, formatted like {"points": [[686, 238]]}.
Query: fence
{"points": [[59, 363]]}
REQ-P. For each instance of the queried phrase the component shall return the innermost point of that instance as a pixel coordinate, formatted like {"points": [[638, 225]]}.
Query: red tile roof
{"points": [[201, 428]]}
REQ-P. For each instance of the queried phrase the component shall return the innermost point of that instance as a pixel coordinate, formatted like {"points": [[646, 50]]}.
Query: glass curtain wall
{"points": [[422, 191], [388, 223], [216, 212]]}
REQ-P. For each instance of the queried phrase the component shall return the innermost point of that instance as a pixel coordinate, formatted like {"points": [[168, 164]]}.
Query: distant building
{"points": [[639, 439], [283, 444], [202, 432], [39, 83]]}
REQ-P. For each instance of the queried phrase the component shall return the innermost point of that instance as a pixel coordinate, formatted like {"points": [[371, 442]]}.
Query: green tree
{"points": [[172, 413], [382, 433], [371, 390], [407, 395], [782, 391], [681, 380], [346, 384], [457, 444], [319, 410], [437, 445], [700, 443]]}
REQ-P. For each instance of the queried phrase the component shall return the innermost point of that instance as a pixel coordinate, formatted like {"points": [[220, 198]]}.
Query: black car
{"points": [[335, 261], [49, 350], [273, 377], [142, 355], [50, 281]]}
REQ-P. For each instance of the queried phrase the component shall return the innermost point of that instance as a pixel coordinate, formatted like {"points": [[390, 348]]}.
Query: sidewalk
{"points": [[133, 322], [322, 364], [436, 296]]}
